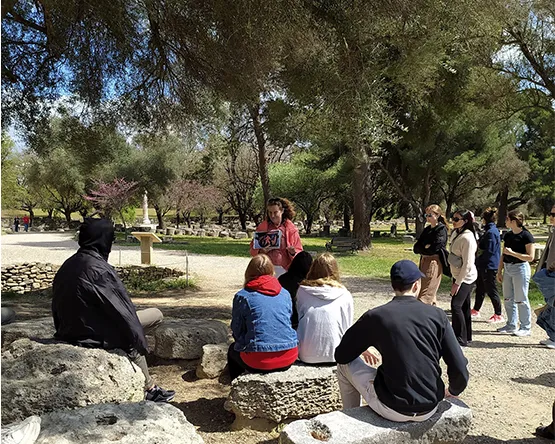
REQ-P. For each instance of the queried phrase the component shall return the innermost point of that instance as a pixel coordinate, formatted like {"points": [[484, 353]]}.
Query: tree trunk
{"points": [[309, 222], [502, 199], [361, 202], [261, 147], [160, 217], [242, 219], [177, 218], [347, 218], [67, 214], [50, 212], [32, 216], [544, 218], [220, 217], [407, 228]]}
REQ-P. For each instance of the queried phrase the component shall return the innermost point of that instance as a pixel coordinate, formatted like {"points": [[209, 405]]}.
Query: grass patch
{"points": [[139, 284]]}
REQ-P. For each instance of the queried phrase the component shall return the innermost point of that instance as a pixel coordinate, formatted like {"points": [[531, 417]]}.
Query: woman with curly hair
{"points": [[279, 216]]}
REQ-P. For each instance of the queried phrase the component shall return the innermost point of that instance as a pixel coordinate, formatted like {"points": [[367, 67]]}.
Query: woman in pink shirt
{"points": [[279, 215]]}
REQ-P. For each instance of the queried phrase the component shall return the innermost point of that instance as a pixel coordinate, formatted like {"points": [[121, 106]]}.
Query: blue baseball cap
{"points": [[405, 272]]}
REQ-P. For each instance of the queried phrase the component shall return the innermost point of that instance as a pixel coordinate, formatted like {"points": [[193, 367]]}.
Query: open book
{"points": [[267, 239]]}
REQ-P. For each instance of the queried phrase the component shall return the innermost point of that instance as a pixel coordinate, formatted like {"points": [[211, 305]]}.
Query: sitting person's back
{"points": [[412, 337], [291, 280], [261, 323], [90, 306], [325, 310]]}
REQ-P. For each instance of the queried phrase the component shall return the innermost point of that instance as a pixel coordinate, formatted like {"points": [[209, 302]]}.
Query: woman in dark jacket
{"points": [[261, 323], [487, 263], [292, 279], [429, 246]]}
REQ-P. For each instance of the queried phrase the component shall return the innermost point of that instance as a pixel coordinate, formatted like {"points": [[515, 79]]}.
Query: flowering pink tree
{"points": [[192, 195], [112, 197]]}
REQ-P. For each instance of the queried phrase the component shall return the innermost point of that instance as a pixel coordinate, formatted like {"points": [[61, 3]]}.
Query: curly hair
{"points": [[283, 204]]}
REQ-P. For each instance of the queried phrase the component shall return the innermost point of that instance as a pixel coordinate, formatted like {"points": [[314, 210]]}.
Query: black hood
{"points": [[97, 235], [300, 265]]}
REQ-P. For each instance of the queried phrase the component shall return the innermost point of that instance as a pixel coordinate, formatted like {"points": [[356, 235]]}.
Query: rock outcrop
{"points": [[300, 392], [39, 378], [213, 360], [184, 338], [361, 425]]}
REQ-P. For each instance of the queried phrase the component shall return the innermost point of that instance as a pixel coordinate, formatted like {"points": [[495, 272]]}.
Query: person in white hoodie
{"points": [[463, 269], [325, 310]]}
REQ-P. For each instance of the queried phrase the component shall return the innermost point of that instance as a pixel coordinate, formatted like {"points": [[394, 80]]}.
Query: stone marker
{"points": [[408, 239], [145, 422], [184, 338], [223, 234], [241, 235], [300, 392], [361, 425], [213, 360], [42, 328], [39, 378]]}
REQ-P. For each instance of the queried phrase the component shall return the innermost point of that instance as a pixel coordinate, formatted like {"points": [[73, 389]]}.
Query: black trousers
{"points": [[487, 284], [460, 314], [237, 367]]}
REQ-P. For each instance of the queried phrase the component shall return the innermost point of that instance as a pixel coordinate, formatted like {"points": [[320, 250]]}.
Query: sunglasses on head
{"points": [[456, 219]]}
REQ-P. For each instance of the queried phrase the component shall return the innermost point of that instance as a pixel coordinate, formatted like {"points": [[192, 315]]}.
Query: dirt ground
{"points": [[511, 390]]}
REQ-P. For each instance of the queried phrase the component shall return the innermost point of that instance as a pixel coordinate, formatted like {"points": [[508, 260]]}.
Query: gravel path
{"points": [[512, 384]]}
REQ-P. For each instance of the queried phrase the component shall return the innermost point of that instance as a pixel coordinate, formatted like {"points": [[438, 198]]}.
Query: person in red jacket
{"points": [[26, 222], [279, 215]]}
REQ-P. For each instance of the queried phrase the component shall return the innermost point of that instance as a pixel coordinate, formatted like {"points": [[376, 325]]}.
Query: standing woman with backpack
{"points": [[514, 273], [463, 269], [430, 246]]}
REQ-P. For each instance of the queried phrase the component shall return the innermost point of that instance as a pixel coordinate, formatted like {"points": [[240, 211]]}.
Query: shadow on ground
{"points": [[208, 415], [546, 379], [489, 440]]}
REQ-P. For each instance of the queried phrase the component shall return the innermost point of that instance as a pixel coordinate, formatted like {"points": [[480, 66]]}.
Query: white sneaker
{"points": [[550, 344], [522, 333], [506, 330], [25, 432]]}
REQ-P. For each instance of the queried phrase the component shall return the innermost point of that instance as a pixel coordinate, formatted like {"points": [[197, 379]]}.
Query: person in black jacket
{"points": [[292, 279], [412, 338], [91, 307], [430, 246]]}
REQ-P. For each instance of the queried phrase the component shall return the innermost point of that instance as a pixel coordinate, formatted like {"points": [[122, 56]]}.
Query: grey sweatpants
{"points": [[149, 319]]}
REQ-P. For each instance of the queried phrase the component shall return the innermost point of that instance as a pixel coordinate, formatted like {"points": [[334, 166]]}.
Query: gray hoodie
{"points": [[325, 314]]}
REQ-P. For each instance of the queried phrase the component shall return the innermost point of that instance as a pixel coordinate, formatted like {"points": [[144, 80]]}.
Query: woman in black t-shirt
{"points": [[429, 245], [514, 274]]}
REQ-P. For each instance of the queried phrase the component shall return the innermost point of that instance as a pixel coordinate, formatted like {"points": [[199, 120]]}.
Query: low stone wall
{"points": [[33, 277]]}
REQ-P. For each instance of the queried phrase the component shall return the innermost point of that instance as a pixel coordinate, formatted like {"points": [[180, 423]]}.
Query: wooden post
{"points": [[146, 239]]}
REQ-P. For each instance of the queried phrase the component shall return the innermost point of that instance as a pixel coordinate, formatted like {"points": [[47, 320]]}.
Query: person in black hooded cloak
{"points": [[91, 307]]}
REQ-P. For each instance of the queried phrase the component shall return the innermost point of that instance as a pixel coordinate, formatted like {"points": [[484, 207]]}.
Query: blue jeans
{"points": [[516, 278]]}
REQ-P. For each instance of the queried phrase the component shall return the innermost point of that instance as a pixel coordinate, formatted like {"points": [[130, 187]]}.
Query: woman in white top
{"points": [[464, 272], [325, 310]]}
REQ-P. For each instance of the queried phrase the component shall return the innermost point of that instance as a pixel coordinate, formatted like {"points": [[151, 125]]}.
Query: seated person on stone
{"points": [[292, 278], [91, 307], [412, 337], [261, 323], [325, 310]]}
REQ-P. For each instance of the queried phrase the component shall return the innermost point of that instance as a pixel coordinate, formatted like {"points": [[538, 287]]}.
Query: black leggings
{"points": [[487, 283], [460, 314], [237, 367]]}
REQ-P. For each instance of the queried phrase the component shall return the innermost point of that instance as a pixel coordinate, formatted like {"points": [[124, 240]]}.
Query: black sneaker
{"points": [[158, 394]]}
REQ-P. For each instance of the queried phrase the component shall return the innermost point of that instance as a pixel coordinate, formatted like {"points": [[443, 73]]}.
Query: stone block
{"points": [[408, 239], [361, 425], [42, 328], [39, 378], [223, 234], [241, 235], [213, 360], [145, 422], [201, 232], [184, 338], [301, 392]]}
